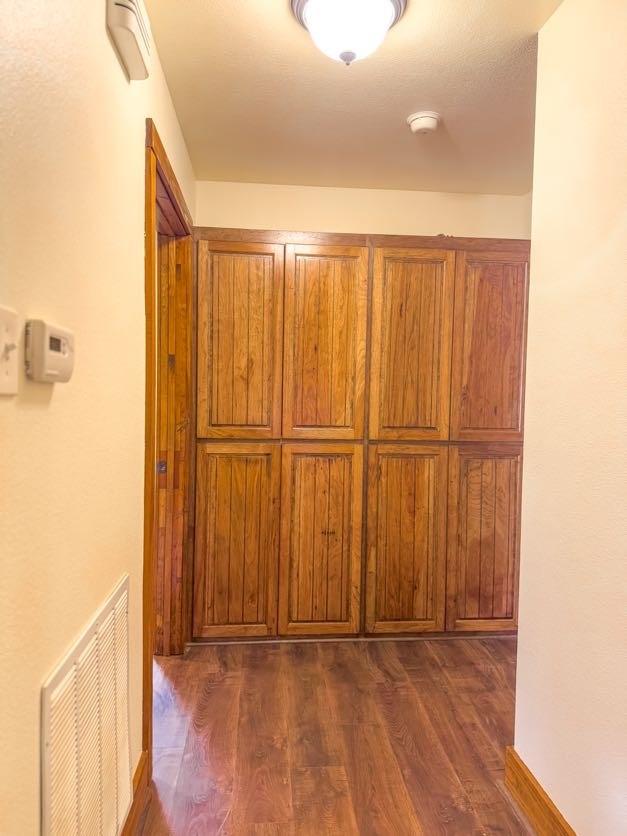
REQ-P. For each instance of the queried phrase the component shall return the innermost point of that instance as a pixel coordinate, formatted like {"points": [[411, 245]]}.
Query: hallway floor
{"points": [[385, 737]]}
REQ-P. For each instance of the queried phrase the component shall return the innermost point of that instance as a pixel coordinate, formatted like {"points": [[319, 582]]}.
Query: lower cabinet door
{"points": [[236, 554], [484, 536], [321, 523], [405, 584]]}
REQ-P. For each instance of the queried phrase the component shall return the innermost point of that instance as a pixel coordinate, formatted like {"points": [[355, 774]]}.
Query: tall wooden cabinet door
{"points": [[405, 584], [412, 311], [489, 346], [483, 537], [320, 539], [236, 555], [240, 324], [325, 341]]}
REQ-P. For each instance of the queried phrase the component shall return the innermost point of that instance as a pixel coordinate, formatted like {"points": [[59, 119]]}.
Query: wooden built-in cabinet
{"points": [[240, 340], [325, 342], [406, 538], [359, 423], [489, 346], [320, 575], [412, 316], [484, 535], [237, 536]]}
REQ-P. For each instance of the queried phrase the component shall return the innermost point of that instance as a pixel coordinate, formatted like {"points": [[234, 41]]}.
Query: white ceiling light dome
{"points": [[348, 30]]}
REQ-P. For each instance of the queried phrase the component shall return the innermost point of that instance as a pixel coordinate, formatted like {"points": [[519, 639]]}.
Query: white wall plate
{"points": [[9, 341]]}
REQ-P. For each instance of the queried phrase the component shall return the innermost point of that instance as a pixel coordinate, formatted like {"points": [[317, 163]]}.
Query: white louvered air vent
{"points": [[86, 769], [127, 21]]}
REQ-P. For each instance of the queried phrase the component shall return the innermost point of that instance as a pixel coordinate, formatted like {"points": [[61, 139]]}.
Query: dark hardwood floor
{"points": [[386, 737]]}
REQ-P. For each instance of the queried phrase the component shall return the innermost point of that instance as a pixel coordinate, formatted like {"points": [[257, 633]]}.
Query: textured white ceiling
{"points": [[259, 103]]}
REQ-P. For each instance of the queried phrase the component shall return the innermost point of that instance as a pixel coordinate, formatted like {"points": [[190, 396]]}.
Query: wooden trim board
{"points": [[349, 239], [158, 171], [527, 792], [141, 796], [168, 178], [150, 476]]}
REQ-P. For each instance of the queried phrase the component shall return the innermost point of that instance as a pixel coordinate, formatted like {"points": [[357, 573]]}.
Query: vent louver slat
{"points": [[86, 777], [108, 720], [63, 745]]}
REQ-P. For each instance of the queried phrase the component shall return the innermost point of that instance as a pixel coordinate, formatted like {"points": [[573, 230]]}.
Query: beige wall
{"points": [[571, 700], [71, 456], [320, 209]]}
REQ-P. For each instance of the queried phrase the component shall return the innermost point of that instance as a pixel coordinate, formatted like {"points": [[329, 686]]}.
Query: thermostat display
{"points": [[49, 352]]}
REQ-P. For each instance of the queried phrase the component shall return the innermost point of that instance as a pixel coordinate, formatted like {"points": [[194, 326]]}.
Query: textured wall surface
{"points": [[571, 703], [315, 209], [71, 456]]}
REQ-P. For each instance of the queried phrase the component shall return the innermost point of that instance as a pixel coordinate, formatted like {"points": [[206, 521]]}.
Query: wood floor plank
{"points": [[459, 731], [348, 683], [262, 789], [312, 734], [382, 738], [482, 702], [437, 794], [380, 797], [322, 802], [204, 789]]}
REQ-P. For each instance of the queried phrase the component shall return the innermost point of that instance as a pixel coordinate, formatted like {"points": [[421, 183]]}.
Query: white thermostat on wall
{"points": [[49, 352]]}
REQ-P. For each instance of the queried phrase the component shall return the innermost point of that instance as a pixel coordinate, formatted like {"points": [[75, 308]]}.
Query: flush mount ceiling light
{"points": [[347, 30]]}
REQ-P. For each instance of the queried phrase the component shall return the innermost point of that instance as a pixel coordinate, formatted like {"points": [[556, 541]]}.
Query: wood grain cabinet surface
{"points": [[321, 521], [325, 341], [489, 346], [483, 536], [406, 538], [316, 351], [240, 333], [237, 531], [412, 314]]}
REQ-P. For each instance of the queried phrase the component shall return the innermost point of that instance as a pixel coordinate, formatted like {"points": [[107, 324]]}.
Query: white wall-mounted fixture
{"points": [[9, 328], [424, 122], [347, 30], [127, 21], [86, 768], [49, 352]]}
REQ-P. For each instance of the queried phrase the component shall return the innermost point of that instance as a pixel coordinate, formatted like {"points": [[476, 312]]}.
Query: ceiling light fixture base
{"points": [[298, 8]]}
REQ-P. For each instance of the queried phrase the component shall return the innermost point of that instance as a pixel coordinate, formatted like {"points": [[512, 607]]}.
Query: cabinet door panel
{"points": [[406, 538], [489, 347], [483, 538], [240, 310], [325, 337], [236, 555], [320, 539], [412, 309]]}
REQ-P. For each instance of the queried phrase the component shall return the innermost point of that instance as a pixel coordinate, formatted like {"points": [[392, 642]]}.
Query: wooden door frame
{"points": [[163, 197]]}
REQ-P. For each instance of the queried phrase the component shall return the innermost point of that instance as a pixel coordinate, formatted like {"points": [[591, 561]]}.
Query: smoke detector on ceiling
{"points": [[424, 122]]}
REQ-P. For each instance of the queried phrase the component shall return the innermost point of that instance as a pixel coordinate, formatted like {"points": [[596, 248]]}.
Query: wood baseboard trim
{"points": [[358, 637], [541, 812], [141, 796]]}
